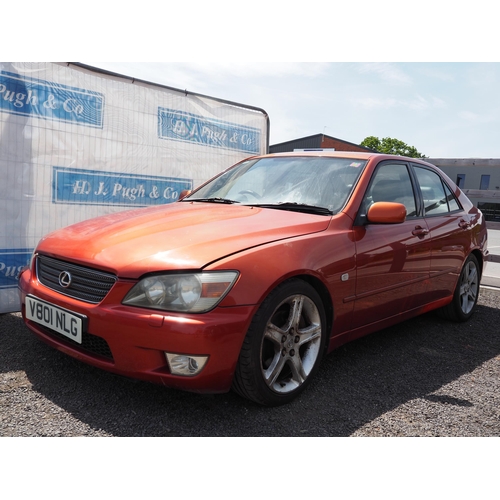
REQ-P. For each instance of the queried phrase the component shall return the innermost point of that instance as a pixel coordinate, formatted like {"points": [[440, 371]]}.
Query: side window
{"points": [[433, 192], [452, 201], [391, 182]]}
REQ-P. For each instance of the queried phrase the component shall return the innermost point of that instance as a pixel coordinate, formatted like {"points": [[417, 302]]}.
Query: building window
{"points": [[460, 180], [485, 182]]}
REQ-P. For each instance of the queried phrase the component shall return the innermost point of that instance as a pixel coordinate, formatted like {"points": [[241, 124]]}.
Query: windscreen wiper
{"points": [[212, 200], [295, 207]]}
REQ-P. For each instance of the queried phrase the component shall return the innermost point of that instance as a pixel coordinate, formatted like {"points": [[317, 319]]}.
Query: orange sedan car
{"points": [[249, 280]]}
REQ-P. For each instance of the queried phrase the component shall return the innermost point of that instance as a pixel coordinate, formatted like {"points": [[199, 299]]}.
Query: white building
{"points": [[479, 179]]}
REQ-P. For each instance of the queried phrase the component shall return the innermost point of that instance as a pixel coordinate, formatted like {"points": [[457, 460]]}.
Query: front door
{"points": [[392, 260]]}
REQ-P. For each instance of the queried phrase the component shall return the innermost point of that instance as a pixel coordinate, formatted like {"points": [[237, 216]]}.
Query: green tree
{"points": [[391, 146]]}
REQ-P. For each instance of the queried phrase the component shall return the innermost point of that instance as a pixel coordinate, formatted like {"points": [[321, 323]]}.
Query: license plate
{"points": [[56, 318]]}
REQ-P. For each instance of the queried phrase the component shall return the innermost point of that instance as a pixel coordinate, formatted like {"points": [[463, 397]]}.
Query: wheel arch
{"points": [[480, 259], [325, 296]]}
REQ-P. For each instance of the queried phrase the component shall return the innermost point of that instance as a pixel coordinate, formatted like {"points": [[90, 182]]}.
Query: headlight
{"points": [[194, 293]]}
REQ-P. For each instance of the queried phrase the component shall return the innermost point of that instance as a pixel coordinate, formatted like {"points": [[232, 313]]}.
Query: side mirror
{"points": [[384, 212], [183, 194]]}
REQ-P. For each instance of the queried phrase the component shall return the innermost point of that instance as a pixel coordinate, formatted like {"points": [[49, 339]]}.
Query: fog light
{"points": [[186, 365]]}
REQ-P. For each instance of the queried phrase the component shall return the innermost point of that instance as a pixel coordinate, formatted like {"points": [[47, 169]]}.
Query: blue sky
{"points": [[449, 110]]}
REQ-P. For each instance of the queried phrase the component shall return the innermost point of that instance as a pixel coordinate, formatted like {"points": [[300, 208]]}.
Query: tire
{"points": [[464, 302], [283, 346]]}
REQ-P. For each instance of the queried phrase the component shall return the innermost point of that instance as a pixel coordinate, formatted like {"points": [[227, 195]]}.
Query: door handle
{"points": [[420, 231]]}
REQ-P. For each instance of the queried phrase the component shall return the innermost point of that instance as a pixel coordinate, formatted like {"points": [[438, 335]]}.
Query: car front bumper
{"points": [[134, 342]]}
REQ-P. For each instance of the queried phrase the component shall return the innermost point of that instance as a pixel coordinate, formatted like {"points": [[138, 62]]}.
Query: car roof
{"points": [[337, 154], [358, 155]]}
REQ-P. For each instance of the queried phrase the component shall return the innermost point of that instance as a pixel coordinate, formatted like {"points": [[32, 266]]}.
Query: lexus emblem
{"points": [[65, 279]]}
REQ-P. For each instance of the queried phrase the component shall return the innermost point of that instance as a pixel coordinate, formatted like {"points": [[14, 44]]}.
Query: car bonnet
{"points": [[185, 235]]}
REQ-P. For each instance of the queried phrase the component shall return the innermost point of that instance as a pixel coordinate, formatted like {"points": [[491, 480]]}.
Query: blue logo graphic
{"points": [[187, 127], [93, 187], [52, 101], [12, 260]]}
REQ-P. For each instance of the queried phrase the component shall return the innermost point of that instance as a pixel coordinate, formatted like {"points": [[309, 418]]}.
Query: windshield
{"points": [[287, 182]]}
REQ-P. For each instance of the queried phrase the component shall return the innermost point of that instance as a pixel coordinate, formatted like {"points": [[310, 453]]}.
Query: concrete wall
{"points": [[472, 168], [488, 200]]}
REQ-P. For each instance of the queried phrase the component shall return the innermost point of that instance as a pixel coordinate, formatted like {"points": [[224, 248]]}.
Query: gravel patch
{"points": [[425, 377]]}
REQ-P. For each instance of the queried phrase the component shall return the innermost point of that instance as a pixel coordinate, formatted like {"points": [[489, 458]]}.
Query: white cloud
{"points": [[201, 77], [388, 72], [253, 70], [471, 118], [418, 103], [374, 103]]}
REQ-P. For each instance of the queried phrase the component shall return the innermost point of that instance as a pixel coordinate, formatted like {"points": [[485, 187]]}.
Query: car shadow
{"points": [[355, 384]]}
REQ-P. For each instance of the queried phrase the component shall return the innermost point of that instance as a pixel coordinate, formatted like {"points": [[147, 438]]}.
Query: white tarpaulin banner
{"points": [[76, 143]]}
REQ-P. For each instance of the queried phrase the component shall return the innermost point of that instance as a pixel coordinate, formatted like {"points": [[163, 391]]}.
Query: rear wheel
{"points": [[283, 346], [466, 292]]}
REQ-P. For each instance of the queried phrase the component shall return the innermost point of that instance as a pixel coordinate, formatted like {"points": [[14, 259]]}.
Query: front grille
{"points": [[86, 284], [90, 343]]}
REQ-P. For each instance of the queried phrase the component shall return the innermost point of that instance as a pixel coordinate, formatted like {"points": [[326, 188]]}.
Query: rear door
{"points": [[449, 228]]}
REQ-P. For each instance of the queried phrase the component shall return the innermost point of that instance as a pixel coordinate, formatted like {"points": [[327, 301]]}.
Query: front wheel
{"points": [[466, 293], [283, 346]]}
